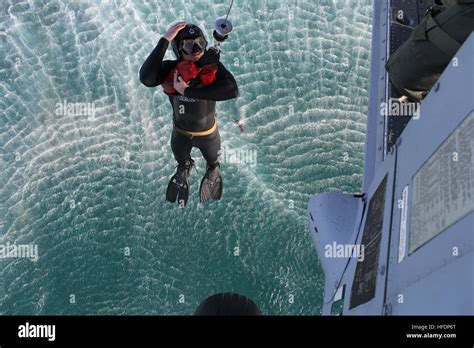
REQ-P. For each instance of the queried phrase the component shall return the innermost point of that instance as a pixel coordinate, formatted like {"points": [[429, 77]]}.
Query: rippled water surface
{"points": [[89, 190]]}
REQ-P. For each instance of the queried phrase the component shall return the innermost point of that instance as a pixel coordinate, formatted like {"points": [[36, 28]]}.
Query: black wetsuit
{"points": [[196, 109]]}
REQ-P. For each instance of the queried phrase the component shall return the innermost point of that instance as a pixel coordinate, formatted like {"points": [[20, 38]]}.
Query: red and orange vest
{"points": [[190, 71]]}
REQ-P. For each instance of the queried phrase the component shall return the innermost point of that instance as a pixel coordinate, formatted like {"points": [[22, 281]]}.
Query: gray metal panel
{"points": [[432, 280], [375, 306], [375, 123], [332, 217]]}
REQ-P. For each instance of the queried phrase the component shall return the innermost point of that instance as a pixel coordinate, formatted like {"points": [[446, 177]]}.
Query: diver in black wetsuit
{"points": [[193, 83]]}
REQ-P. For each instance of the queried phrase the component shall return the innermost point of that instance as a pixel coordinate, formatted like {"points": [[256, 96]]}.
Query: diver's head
{"points": [[190, 43], [225, 304]]}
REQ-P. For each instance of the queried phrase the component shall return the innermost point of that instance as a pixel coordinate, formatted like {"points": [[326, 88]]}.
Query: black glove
{"points": [[211, 56]]}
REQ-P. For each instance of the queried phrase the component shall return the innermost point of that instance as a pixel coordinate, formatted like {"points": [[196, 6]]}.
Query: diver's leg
{"points": [[181, 146], [212, 184], [178, 187], [210, 147]]}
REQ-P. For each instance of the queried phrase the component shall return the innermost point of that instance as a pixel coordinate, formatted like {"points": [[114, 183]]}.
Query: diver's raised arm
{"points": [[154, 70]]}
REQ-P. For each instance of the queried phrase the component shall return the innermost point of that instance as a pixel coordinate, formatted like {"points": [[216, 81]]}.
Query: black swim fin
{"points": [[212, 184], [178, 187]]}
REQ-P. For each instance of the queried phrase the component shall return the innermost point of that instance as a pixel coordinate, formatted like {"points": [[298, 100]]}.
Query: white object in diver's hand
{"points": [[241, 124]]}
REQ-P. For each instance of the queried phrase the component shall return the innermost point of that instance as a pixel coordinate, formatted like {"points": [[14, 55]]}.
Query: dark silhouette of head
{"points": [[226, 304]]}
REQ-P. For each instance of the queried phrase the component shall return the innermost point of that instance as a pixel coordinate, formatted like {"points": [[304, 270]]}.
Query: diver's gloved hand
{"points": [[211, 56]]}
